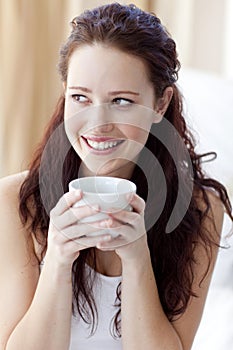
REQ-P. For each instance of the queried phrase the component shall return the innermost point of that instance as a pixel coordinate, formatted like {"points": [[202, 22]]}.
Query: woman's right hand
{"points": [[65, 231]]}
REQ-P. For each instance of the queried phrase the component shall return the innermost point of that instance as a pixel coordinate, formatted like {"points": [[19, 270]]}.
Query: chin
{"points": [[122, 170]]}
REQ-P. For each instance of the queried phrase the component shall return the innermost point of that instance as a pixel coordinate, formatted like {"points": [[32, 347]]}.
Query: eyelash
{"points": [[76, 98], [122, 98]]}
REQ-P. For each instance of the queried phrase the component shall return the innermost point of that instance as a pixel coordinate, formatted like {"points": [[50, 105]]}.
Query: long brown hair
{"points": [[172, 255]]}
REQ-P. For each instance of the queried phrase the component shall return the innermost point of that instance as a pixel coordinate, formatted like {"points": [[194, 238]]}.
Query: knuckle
{"points": [[67, 197]]}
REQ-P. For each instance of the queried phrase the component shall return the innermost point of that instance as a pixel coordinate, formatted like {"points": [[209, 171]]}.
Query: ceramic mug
{"points": [[107, 192]]}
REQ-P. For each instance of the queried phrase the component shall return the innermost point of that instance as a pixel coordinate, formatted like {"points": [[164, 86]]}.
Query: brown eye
{"points": [[120, 101], [79, 98]]}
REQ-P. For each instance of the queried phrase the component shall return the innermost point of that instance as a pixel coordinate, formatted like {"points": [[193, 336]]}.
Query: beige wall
{"points": [[198, 26], [30, 36]]}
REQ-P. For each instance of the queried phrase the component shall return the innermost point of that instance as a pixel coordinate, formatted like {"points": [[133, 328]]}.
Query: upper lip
{"points": [[101, 138]]}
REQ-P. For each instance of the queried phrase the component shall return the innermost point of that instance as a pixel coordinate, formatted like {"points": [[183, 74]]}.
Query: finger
{"points": [[66, 201], [123, 216], [88, 242], [112, 244], [80, 229], [137, 203], [72, 215]]}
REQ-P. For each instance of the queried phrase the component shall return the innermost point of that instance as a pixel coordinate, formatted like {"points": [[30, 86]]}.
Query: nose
{"points": [[104, 128], [101, 119]]}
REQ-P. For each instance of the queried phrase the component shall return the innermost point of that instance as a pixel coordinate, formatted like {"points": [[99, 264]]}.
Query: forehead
{"points": [[106, 65]]}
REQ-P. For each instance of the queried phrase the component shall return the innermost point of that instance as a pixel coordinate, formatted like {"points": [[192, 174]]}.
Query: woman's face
{"points": [[108, 109]]}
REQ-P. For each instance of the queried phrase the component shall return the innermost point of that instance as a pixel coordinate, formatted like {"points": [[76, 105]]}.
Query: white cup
{"points": [[107, 192]]}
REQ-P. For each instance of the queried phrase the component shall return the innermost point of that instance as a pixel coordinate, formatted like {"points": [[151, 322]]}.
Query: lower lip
{"points": [[101, 152]]}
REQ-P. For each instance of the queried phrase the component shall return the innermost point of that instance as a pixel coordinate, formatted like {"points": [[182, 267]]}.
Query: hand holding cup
{"points": [[107, 192]]}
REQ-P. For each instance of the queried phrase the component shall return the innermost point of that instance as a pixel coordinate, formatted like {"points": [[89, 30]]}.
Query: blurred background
{"points": [[31, 33]]}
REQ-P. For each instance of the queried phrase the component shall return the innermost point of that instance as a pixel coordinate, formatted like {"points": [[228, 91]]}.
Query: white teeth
{"points": [[102, 145]]}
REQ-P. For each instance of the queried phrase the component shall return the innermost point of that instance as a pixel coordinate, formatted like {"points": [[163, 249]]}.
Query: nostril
{"points": [[103, 128]]}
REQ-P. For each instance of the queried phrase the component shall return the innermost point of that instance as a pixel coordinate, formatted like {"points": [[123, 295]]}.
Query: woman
{"points": [[59, 285]]}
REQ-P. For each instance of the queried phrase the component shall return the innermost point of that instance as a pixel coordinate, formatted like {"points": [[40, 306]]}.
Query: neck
{"points": [[107, 263]]}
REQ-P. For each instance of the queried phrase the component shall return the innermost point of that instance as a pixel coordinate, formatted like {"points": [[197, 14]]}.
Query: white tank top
{"points": [[104, 291]]}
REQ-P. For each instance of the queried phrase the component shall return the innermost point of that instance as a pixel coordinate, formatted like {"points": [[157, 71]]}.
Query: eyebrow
{"points": [[79, 88], [112, 93]]}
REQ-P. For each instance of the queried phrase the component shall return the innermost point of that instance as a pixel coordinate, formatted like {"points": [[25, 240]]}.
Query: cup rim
{"points": [[132, 189]]}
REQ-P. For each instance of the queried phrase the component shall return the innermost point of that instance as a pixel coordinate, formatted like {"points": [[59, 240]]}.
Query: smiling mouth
{"points": [[103, 145]]}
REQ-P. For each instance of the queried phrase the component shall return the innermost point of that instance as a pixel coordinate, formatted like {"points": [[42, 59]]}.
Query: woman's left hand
{"points": [[131, 241]]}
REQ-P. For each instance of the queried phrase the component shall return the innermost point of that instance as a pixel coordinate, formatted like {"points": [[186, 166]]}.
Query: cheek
{"points": [[71, 126], [137, 135], [71, 122]]}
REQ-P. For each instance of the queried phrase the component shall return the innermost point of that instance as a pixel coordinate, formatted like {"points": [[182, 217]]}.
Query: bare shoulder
{"points": [[9, 201], [214, 217], [11, 228], [19, 271], [10, 185]]}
